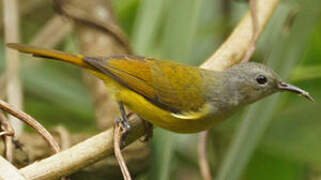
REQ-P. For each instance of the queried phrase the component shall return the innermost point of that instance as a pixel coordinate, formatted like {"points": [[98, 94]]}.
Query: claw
{"points": [[125, 130]]}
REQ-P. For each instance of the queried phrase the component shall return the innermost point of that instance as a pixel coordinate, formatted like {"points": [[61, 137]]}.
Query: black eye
{"points": [[261, 79]]}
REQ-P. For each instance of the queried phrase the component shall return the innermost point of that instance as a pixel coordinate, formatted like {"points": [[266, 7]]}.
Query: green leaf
{"points": [[303, 73]]}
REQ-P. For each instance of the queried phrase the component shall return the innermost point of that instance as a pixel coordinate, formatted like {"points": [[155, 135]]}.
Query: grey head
{"points": [[249, 82]]}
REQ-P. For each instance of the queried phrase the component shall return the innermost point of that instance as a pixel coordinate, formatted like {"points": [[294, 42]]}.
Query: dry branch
{"points": [[31, 122], [202, 155], [8, 171], [7, 133], [5, 126], [118, 153], [80, 155], [11, 31], [234, 48], [255, 35]]}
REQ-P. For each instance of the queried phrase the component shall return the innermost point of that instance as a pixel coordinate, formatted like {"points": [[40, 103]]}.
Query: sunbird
{"points": [[175, 96]]}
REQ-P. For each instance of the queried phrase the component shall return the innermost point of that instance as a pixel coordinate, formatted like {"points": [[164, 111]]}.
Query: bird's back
{"points": [[172, 86]]}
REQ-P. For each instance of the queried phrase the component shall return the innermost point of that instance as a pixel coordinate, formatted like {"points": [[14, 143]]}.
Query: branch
{"points": [[202, 155], [31, 122], [234, 48], [14, 90], [118, 153], [8, 171], [7, 133], [81, 155]]}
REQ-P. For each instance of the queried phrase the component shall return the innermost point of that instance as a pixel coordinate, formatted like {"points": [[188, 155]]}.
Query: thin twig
{"points": [[8, 134], [5, 126], [255, 34], [9, 146], [11, 31], [32, 123], [118, 154], [202, 155]]}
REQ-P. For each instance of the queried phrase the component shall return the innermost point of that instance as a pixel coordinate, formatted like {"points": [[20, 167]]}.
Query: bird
{"points": [[171, 95]]}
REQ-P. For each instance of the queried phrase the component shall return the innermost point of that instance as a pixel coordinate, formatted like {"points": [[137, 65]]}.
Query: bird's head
{"points": [[253, 81]]}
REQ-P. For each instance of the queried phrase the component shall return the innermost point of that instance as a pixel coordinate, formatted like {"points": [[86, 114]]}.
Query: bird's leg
{"points": [[124, 123], [148, 127]]}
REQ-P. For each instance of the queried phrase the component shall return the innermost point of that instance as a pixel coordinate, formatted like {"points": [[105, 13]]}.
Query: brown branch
{"points": [[9, 146], [5, 126], [32, 123], [255, 34], [81, 155], [234, 48], [7, 133], [118, 153], [11, 31]]}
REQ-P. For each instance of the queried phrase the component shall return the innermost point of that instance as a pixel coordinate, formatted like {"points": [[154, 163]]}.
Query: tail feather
{"points": [[51, 54]]}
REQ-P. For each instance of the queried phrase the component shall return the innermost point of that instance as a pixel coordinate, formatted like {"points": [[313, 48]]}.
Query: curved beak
{"points": [[288, 87]]}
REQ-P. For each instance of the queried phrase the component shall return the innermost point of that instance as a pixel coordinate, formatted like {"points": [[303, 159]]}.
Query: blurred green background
{"points": [[277, 138]]}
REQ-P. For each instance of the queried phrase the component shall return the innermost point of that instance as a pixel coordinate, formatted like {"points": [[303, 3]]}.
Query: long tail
{"points": [[51, 54]]}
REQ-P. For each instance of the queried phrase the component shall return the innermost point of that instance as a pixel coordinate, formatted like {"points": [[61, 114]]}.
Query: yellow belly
{"points": [[154, 114], [160, 117]]}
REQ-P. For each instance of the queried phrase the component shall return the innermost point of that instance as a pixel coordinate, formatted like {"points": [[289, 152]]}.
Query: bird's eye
{"points": [[261, 79]]}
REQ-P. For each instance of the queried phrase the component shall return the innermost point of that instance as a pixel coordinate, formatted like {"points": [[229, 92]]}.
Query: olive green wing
{"points": [[169, 85]]}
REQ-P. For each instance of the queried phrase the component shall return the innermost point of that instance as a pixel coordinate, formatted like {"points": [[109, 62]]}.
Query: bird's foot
{"points": [[125, 127]]}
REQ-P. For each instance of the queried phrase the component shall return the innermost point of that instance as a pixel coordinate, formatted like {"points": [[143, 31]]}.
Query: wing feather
{"points": [[169, 85]]}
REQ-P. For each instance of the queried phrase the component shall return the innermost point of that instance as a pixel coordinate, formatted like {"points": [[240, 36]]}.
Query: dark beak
{"points": [[288, 87]]}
